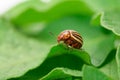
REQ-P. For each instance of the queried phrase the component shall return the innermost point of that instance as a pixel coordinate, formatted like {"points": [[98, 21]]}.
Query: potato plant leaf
{"points": [[110, 70], [109, 14], [65, 60], [110, 20], [62, 73], [63, 49], [91, 73], [110, 66], [118, 60], [103, 5], [39, 12], [18, 53]]}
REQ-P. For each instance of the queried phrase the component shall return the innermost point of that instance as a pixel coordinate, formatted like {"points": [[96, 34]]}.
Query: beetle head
{"points": [[63, 36]]}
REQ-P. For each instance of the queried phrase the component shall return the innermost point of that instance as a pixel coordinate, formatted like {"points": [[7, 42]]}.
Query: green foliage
{"points": [[91, 73], [61, 73], [29, 50], [110, 20], [118, 60], [18, 53]]}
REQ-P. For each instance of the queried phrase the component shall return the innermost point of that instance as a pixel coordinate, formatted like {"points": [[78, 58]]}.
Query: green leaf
{"points": [[96, 19], [118, 60], [65, 60], [101, 49], [110, 70], [18, 53], [61, 73], [103, 5], [91, 73], [63, 49], [32, 14], [110, 20], [110, 66], [23, 13], [109, 17]]}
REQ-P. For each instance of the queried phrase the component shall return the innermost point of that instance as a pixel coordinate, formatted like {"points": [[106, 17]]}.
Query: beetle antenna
{"points": [[53, 34]]}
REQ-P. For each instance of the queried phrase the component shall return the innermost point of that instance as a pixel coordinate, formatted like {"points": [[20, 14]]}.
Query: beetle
{"points": [[71, 38]]}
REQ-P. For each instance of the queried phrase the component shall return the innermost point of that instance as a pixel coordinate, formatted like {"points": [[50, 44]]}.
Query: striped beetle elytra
{"points": [[72, 38]]}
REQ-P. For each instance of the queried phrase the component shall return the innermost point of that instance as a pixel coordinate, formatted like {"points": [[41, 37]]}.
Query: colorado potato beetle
{"points": [[71, 38]]}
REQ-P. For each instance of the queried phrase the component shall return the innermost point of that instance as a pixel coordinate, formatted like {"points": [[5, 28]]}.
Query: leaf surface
{"points": [[91, 73], [110, 20], [18, 53], [118, 60], [61, 73], [110, 66]]}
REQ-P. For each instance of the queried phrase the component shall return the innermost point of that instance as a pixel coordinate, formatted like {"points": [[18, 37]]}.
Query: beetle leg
{"points": [[76, 45]]}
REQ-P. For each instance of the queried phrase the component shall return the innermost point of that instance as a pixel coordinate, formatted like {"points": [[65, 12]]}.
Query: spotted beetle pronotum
{"points": [[71, 38]]}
